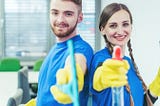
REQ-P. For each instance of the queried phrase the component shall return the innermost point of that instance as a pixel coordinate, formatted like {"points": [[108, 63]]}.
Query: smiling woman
{"points": [[116, 26]]}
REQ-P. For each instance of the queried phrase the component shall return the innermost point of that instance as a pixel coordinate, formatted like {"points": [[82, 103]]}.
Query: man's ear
{"points": [[80, 17]]}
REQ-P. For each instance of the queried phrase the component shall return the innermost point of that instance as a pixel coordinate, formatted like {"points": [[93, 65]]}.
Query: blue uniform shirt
{"points": [[52, 63], [104, 98]]}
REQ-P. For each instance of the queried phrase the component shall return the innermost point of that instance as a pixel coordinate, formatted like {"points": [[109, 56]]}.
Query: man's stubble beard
{"points": [[68, 33]]}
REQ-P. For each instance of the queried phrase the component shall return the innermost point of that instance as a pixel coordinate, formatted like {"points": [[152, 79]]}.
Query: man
{"points": [[64, 17]]}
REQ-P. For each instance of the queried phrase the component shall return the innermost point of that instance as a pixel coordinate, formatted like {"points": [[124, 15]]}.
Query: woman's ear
{"points": [[102, 31]]}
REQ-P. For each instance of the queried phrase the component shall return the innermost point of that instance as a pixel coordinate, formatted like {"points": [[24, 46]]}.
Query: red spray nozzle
{"points": [[117, 53]]}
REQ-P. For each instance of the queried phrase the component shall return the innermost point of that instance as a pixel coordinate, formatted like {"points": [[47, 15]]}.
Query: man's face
{"points": [[64, 17]]}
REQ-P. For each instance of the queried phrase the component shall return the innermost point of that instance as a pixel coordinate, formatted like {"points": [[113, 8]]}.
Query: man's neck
{"points": [[65, 38]]}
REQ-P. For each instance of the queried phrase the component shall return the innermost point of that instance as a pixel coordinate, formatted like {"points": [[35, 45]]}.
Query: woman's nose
{"points": [[120, 30]]}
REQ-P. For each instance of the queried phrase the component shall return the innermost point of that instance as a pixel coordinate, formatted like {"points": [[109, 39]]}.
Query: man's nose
{"points": [[60, 18]]}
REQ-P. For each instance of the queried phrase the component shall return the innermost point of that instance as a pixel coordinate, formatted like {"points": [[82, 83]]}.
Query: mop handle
{"points": [[74, 83]]}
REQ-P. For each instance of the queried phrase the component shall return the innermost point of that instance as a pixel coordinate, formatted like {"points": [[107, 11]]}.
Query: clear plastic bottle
{"points": [[117, 92], [118, 96]]}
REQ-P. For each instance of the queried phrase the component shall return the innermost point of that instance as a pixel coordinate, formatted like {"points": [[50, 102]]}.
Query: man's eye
{"points": [[54, 13], [69, 14]]}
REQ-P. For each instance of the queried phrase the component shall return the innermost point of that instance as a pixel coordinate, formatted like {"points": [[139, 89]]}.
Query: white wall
{"points": [[145, 36]]}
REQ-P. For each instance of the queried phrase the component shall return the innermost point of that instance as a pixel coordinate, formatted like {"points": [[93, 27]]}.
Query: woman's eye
{"points": [[113, 26], [125, 24]]}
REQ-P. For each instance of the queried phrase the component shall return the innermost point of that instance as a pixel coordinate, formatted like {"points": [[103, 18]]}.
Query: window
{"points": [[26, 28], [87, 27]]}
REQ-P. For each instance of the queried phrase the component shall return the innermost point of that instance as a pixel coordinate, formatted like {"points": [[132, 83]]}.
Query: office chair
{"points": [[34, 86], [9, 64], [16, 99], [23, 83]]}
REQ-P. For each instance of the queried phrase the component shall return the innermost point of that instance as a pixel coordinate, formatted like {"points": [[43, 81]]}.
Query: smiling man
{"points": [[64, 17]]}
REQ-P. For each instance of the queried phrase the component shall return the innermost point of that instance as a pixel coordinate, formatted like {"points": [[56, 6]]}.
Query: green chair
{"points": [[9, 64], [37, 65]]}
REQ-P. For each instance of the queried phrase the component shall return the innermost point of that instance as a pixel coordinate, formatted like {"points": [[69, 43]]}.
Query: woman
{"points": [[116, 27]]}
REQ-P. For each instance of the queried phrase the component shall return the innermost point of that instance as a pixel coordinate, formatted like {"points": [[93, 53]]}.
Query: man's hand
{"points": [[32, 102], [63, 76]]}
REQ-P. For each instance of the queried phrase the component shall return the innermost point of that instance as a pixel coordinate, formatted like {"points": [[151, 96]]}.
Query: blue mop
{"points": [[72, 87]]}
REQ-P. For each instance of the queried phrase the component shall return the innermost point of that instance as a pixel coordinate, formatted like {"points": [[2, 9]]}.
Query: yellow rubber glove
{"points": [[32, 102], [154, 87], [63, 76], [112, 73]]}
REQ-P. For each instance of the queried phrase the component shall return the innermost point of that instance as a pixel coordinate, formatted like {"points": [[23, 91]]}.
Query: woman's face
{"points": [[118, 28]]}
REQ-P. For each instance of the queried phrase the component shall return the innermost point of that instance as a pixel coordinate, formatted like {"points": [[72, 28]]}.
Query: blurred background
{"points": [[25, 34]]}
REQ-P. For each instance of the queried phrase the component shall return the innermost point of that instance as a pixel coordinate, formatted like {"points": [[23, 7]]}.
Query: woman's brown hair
{"points": [[107, 12]]}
